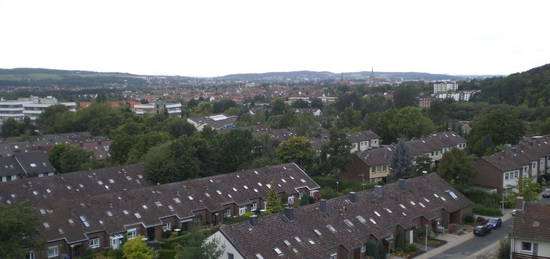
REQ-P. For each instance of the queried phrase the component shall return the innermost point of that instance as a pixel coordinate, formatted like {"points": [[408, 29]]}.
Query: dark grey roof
{"points": [[359, 136], [372, 216], [377, 156], [513, 158], [215, 123], [9, 167], [34, 163], [434, 142], [114, 208]]}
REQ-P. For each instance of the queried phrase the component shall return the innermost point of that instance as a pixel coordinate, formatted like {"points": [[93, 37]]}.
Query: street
{"points": [[477, 243]]}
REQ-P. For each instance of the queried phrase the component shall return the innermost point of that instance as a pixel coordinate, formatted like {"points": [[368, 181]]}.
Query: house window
{"points": [[526, 246], [31, 255], [254, 206], [227, 213], [230, 256], [242, 210], [333, 256], [94, 243], [53, 251], [290, 200], [167, 227], [131, 233]]}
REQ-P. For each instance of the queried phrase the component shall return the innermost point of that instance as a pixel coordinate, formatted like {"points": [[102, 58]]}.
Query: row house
{"points": [[102, 214], [217, 122], [98, 145], [530, 236], [501, 171], [370, 166], [348, 226], [25, 165], [436, 144], [363, 140]]}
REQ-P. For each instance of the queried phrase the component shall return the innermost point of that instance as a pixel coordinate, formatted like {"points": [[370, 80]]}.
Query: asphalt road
{"points": [[477, 243]]}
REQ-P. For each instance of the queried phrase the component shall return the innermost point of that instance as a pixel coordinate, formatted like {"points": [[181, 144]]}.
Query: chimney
{"points": [[323, 205], [379, 190], [353, 197], [402, 183], [253, 220], [289, 213], [81, 144]]}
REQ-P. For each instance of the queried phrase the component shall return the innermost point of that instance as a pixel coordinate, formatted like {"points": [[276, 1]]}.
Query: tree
{"points": [[457, 167], [300, 104], [317, 103], [203, 108], [171, 162], [144, 142], [19, 233], [335, 155], [408, 122], [274, 203], [136, 248], [298, 150], [306, 125], [401, 162], [278, 107], [422, 163], [198, 247], [349, 119], [120, 148], [235, 149], [404, 96], [528, 189], [54, 119], [66, 158], [222, 105], [502, 125]]}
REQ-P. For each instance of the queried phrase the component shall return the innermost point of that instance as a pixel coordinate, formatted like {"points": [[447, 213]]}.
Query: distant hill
{"points": [[77, 78], [65, 78], [531, 88], [320, 76]]}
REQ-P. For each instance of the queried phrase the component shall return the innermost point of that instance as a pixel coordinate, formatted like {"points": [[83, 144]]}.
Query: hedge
{"points": [[486, 211]]}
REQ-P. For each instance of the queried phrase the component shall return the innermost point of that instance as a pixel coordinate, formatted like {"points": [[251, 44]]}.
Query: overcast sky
{"points": [[210, 38]]}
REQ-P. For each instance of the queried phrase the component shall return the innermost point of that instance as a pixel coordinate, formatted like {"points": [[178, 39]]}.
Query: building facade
{"points": [[530, 237], [29, 107]]}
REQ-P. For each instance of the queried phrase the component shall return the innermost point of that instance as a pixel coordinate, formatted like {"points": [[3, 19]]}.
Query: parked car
{"points": [[494, 223], [482, 230], [546, 194]]}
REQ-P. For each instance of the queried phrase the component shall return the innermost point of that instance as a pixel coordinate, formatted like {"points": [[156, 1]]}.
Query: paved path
{"points": [[472, 247]]}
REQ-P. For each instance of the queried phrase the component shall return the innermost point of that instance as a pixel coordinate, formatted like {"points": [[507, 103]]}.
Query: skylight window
{"points": [[259, 256], [443, 198], [302, 180], [234, 189], [42, 211], [110, 214], [421, 204], [278, 251], [259, 184], [348, 223], [317, 232], [69, 187], [207, 194], [402, 206], [388, 210], [81, 185], [84, 221], [170, 207], [268, 185], [283, 180], [372, 221], [211, 180], [255, 190], [35, 192], [190, 197], [361, 219], [229, 195], [33, 165], [144, 206], [238, 176], [298, 239], [177, 200], [100, 182], [47, 190], [403, 213], [255, 172], [219, 192], [158, 204], [46, 225], [453, 195], [311, 242], [331, 228], [246, 187], [426, 200], [435, 195], [111, 181], [71, 221], [412, 203], [125, 212], [137, 215], [376, 213], [286, 242]]}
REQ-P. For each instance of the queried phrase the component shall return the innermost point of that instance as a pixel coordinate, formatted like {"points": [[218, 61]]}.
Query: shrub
{"points": [[469, 218], [480, 220], [486, 211], [166, 254], [410, 248], [504, 249]]}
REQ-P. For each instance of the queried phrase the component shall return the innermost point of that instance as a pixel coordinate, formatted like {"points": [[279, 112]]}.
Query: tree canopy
{"points": [[19, 233], [457, 167]]}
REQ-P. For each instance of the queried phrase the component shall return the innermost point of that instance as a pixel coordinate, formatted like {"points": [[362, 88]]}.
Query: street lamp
{"points": [[426, 239], [337, 183]]}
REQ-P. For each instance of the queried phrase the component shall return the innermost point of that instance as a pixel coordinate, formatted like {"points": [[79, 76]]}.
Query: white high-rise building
{"points": [[29, 107], [445, 87]]}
